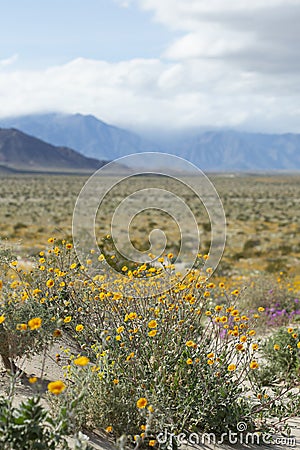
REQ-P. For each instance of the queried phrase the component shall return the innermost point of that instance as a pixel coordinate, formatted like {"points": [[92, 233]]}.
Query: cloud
{"points": [[8, 61], [257, 35], [124, 3], [232, 63], [210, 42], [187, 14], [145, 93]]}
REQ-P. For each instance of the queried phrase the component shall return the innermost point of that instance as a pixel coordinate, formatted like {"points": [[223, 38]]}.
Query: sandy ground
{"points": [[52, 371]]}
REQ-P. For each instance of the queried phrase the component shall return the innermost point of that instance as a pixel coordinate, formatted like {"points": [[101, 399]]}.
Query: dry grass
{"points": [[263, 217]]}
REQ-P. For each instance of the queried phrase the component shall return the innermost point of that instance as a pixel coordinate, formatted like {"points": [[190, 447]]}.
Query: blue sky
{"points": [[43, 33], [154, 64]]}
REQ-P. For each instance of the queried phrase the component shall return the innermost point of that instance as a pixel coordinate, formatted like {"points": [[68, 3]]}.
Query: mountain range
{"points": [[21, 152], [86, 134], [216, 150]]}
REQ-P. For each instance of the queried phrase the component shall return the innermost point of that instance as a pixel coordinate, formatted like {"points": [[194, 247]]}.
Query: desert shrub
{"points": [[27, 325], [30, 426], [156, 350], [174, 363], [251, 243], [279, 296], [19, 226], [275, 265], [281, 357]]}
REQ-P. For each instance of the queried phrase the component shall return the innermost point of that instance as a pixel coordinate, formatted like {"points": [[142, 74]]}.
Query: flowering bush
{"points": [[280, 297], [281, 356], [147, 359]]}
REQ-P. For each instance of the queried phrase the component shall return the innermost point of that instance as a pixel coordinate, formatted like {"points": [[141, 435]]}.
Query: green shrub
{"points": [[156, 350], [281, 355], [30, 426]]}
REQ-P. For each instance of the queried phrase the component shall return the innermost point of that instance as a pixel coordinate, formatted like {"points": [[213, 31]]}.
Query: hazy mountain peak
{"points": [[217, 150]]}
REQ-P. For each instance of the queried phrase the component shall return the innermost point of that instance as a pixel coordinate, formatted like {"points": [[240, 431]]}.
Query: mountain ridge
{"points": [[22, 152], [214, 150], [86, 134]]}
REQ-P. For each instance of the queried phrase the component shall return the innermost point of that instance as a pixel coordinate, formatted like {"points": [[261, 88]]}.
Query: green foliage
{"points": [[30, 426], [279, 296], [281, 357], [190, 352]]}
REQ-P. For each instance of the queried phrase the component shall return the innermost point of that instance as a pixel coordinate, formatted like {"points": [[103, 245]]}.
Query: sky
{"points": [[154, 64]]}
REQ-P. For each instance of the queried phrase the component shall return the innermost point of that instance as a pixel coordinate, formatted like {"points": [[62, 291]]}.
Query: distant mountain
{"points": [[19, 151], [232, 150], [86, 134], [221, 150]]}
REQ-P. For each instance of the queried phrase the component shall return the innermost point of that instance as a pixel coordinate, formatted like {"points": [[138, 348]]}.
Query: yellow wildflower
{"points": [[152, 324], [35, 323], [50, 283], [152, 333], [253, 365], [81, 361], [132, 315], [32, 380], [142, 403], [56, 387], [240, 347]]}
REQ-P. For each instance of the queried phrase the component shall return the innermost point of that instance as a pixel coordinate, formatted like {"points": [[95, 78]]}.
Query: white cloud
{"points": [[256, 35], [186, 14], [236, 63], [211, 41], [147, 93], [8, 61]]}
